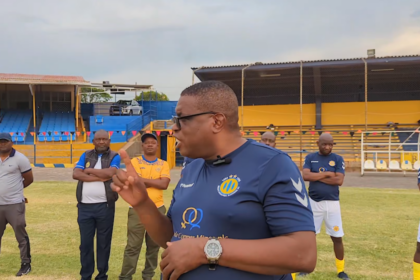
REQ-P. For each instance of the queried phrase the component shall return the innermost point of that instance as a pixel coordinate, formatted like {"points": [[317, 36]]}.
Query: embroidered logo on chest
{"points": [[229, 186]]}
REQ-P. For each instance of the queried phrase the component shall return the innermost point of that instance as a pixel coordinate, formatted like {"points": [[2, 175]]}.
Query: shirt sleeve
{"points": [[284, 197], [165, 173], [116, 161], [307, 163], [81, 163], [341, 166], [24, 164]]}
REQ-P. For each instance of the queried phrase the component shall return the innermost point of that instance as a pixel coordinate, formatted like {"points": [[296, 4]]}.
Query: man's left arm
{"points": [[338, 179], [163, 182], [26, 171], [106, 173]]}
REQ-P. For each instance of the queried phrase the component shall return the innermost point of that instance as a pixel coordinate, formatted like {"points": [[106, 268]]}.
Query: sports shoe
{"points": [[343, 275], [302, 274], [25, 268]]}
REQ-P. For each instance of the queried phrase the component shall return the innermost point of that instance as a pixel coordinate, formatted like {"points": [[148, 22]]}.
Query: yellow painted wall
{"points": [[333, 113], [378, 112], [277, 115]]}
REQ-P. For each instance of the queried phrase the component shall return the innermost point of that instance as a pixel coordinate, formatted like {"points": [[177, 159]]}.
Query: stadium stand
{"points": [[115, 125], [15, 122], [408, 137], [57, 126], [346, 138]]}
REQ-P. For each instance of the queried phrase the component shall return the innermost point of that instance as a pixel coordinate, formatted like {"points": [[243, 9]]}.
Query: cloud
{"points": [[416, 14], [157, 42]]}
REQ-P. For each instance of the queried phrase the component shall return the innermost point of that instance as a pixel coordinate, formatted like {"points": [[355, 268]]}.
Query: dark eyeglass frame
{"points": [[176, 119]]}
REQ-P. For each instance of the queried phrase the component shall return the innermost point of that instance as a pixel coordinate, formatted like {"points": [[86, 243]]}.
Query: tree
{"points": [[94, 95], [146, 96]]}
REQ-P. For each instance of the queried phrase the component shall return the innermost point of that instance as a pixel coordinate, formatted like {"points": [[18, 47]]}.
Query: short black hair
{"points": [[218, 97]]}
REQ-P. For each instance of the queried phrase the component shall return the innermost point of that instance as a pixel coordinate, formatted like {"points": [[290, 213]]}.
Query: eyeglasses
{"points": [[176, 119]]}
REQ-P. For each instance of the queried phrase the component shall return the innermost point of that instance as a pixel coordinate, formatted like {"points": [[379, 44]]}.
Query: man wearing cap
{"points": [[15, 175], [156, 175]]}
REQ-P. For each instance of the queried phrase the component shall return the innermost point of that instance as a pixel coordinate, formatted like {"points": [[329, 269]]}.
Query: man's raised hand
{"points": [[128, 184]]}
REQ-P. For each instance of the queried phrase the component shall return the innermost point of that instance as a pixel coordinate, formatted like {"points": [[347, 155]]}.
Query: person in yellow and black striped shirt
{"points": [[156, 175]]}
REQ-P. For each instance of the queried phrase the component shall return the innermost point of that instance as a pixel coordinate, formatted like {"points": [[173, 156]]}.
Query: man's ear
{"points": [[219, 121]]}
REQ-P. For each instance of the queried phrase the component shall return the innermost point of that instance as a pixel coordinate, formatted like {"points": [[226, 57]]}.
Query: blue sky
{"points": [[157, 42]]}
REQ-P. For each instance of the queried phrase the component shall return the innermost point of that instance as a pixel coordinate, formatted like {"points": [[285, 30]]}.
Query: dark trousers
{"points": [[93, 218], [14, 214], [136, 233]]}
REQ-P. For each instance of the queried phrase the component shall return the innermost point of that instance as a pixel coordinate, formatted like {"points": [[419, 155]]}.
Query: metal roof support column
{"points": [[32, 90], [76, 89], [193, 74], [301, 109], [242, 97], [366, 93]]}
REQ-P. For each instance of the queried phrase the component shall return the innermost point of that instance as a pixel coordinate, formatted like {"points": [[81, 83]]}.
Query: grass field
{"points": [[380, 227]]}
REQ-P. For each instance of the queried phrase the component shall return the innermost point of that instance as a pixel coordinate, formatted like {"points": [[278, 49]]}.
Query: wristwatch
{"points": [[213, 251]]}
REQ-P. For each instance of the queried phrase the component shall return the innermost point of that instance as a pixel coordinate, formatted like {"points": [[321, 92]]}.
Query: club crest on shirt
{"points": [[158, 169], [229, 186], [87, 164], [332, 163], [192, 217], [322, 169]]}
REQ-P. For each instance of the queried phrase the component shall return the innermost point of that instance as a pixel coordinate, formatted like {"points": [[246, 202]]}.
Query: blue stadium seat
{"points": [[16, 122], [116, 124], [55, 125], [99, 119]]}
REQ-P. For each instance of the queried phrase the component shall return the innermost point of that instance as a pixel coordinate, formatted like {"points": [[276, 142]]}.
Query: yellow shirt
{"points": [[152, 170]]}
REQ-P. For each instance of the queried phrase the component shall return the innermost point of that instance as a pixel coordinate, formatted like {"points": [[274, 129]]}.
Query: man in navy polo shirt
{"points": [[240, 210], [325, 171]]}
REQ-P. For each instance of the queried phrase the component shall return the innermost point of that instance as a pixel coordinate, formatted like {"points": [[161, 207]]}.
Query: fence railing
{"points": [[58, 153], [387, 155]]}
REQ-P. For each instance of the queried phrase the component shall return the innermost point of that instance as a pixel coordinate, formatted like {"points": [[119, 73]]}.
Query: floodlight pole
{"points": [[242, 96]]}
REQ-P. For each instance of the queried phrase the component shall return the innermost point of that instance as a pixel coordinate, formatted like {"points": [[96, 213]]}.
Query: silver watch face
{"points": [[213, 249]]}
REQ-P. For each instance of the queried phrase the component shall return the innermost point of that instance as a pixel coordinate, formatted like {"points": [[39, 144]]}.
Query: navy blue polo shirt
{"points": [[418, 180], [260, 194], [317, 163]]}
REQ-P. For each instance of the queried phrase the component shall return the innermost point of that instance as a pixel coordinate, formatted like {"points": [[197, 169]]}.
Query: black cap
{"points": [[147, 135], [5, 136]]}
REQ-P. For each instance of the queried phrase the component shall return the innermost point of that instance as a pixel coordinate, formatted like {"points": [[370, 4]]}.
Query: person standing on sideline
{"points": [[416, 261], [155, 174], [240, 210], [96, 204], [325, 172], [15, 175], [268, 138]]}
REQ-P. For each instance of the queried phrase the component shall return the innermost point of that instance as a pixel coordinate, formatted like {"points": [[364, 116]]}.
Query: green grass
{"points": [[380, 228]]}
